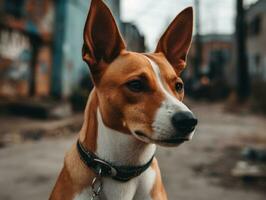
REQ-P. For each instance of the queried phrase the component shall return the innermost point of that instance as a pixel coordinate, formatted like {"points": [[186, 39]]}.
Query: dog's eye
{"points": [[179, 87], [135, 85]]}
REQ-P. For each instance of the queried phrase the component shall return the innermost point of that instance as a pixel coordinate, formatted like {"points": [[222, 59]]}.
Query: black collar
{"points": [[120, 173]]}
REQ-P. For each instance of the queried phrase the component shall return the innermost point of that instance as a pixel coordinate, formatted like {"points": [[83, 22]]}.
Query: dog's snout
{"points": [[184, 122]]}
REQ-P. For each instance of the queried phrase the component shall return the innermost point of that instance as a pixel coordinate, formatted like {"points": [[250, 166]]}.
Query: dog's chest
{"points": [[136, 189]]}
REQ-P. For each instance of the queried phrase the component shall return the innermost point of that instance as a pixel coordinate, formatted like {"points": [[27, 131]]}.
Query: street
{"points": [[28, 170]]}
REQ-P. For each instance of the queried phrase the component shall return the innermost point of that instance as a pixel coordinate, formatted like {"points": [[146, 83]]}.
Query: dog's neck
{"points": [[121, 149], [111, 145]]}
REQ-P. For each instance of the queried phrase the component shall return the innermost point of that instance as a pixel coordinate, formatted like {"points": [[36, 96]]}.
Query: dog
{"points": [[135, 105]]}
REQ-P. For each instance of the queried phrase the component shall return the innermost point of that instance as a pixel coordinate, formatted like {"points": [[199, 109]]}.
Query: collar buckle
{"points": [[105, 168]]}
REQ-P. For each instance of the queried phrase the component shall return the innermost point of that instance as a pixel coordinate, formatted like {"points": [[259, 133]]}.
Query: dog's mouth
{"points": [[174, 141]]}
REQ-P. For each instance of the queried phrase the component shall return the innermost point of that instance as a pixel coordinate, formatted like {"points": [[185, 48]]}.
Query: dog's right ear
{"points": [[102, 40], [176, 40]]}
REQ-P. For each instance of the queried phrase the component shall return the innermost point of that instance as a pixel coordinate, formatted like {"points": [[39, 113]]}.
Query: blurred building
{"points": [[216, 57], [256, 40], [40, 45], [216, 54]]}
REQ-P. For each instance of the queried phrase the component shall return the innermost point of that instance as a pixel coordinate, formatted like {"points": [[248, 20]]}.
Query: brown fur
{"points": [[122, 109], [158, 191], [168, 74], [75, 176]]}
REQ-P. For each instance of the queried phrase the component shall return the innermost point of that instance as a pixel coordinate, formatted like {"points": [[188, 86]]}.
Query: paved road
{"points": [[28, 171]]}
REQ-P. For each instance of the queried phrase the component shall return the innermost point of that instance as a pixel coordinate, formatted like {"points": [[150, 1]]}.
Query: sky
{"points": [[153, 16]]}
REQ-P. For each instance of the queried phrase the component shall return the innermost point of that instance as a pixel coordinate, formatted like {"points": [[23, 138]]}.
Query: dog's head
{"points": [[140, 94]]}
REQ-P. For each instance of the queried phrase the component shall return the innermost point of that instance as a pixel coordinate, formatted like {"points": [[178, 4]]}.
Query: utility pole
{"points": [[57, 68], [198, 44], [35, 42], [243, 82]]}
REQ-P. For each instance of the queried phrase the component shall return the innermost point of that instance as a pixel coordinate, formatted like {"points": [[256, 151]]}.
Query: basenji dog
{"points": [[135, 105]]}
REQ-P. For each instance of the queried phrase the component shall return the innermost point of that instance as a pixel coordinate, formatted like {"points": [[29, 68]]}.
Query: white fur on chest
{"points": [[136, 189]]}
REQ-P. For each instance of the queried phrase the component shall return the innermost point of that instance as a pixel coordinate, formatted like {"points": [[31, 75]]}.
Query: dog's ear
{"points": [[102, 40], [175, 42]]}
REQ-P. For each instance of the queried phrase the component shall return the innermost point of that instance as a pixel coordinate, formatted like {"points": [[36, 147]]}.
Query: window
{"points": [[255, 26], [257, 61], [14, 7]]}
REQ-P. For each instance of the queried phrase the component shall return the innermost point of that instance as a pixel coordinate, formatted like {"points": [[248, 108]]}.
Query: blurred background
{"points": [[44, 85]]}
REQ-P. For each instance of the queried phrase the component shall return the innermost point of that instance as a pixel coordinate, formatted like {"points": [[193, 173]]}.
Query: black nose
{"points": [[184, 122]]}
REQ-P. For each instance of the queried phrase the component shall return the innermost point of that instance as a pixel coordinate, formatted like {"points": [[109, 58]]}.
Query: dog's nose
{"points": [[184, 122]]}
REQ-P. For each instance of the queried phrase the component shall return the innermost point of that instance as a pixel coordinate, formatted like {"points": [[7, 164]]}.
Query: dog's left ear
{"points": [[175, 42], [102, 39]]}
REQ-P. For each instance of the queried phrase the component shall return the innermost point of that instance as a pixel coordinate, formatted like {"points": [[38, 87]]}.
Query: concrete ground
{"points": [[28, 170]]}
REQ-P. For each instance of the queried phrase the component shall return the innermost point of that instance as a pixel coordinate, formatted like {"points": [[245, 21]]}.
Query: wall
{"points": [[26, 26], [216, 50], [73, 66], [256, 41], [15, 57]]}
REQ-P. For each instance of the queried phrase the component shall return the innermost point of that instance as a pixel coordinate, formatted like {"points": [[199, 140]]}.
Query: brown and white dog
{"points": [[136, 104]]}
